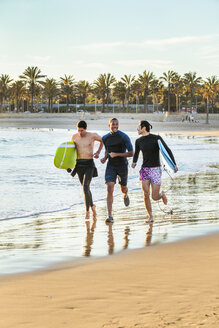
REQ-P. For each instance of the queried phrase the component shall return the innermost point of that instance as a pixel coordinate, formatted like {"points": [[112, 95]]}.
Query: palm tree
{"points": [[169, 78], [102, 87], [128, 81], [209, 91], [67, 88], [191, 82], [145, 80], [156, 90], [136, 92], [51, 91], [119, 92], [83, 88], [178, 88], [32, 76], [213, 85], [18, 91], [5, 81]]}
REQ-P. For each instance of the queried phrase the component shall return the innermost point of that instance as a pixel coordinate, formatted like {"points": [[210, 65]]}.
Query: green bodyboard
{"points": [[66, 156]]}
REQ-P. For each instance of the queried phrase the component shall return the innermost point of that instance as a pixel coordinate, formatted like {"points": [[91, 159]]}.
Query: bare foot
{"points": [[164, 198], [150, 220], [93, 208], [87, 215]]}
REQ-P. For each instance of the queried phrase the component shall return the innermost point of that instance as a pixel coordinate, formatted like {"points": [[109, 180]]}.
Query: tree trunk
{"points": [[168, 98], [32, 95], [177, 104], [32, 102], [127, 102], [207, 112], [146, 104], [107, 101], [103, 104], [67, 103], [17, 104], [51, 104], [123, 104]]}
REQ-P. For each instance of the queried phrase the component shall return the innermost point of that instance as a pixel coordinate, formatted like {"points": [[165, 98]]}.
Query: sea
{"points": [[42, 208]]}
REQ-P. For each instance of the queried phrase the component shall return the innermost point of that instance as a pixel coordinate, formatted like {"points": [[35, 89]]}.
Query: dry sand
{"points": [[170, 285], [128, 122]]}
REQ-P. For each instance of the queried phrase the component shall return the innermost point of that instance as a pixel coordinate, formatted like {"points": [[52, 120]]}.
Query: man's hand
{"points": [[103, 160], [112, 155], [133, 165], [96, 155]]}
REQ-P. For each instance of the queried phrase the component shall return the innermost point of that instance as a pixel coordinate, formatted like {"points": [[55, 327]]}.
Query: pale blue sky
{"points": [[86, 38]]}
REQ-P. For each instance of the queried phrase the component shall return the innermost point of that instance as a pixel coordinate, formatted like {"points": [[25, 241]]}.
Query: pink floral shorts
{"points": [[151, 173]]}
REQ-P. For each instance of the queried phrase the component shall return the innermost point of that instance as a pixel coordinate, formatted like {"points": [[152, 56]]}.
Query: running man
{"points": [[150, 173], [85, 167], [116, 143]]}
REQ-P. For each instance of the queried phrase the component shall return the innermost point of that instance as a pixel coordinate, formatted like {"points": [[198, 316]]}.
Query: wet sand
{"points": [[174, 285]]}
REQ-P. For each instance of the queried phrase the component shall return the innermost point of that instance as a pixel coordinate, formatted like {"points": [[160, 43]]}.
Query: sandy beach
{"points": [[168, 285], [173, 285], [128, 122]]}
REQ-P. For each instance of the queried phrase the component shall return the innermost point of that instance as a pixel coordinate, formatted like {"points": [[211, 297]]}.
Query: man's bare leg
{"points": [[164, 198], [124, 190], [146, 191], [110, 189], [93, 208], [87, 215], [156, 195]]}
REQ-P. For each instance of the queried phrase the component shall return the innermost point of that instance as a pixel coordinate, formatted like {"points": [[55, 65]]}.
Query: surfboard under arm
{"points": [[66, 156], [165, 157]]}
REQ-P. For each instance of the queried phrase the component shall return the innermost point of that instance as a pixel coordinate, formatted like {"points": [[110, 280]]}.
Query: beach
{"points": [[161, 122], [173, 284]]}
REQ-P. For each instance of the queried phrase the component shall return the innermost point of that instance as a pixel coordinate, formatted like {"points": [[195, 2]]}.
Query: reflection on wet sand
{"points": [[126, 238], [89, 237], [149, 235], [35, 241], [110, 239]]}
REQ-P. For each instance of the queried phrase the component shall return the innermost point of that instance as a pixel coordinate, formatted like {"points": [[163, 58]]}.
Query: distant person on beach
{"points": [[191, 118], [150, 172], [117, 148], [85, 167]]}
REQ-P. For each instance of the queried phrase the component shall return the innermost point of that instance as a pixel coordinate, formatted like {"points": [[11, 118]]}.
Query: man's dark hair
{"points": [[113, 119], [145, 124], [82, 125]]}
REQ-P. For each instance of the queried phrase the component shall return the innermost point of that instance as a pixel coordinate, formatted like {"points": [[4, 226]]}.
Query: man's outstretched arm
{"points": [[98, 138]]}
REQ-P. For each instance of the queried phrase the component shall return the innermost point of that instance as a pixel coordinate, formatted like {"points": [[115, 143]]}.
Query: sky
{"points": [[90, 37]]}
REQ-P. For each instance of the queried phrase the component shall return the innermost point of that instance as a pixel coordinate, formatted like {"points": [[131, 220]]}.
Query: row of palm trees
{"points": [[33, 87]]}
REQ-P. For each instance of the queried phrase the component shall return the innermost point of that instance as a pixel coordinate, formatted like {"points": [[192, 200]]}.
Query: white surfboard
{"points": [[165, 158]]}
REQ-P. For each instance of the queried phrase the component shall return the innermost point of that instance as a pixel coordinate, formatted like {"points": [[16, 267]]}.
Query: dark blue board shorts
{"points": [[112, 172]]}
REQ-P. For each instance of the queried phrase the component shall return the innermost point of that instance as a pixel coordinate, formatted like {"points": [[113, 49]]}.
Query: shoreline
{"points": [[110, 292]]}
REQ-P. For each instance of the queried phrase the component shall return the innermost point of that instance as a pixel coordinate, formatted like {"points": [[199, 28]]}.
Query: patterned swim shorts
{"points": [[151, 173]]}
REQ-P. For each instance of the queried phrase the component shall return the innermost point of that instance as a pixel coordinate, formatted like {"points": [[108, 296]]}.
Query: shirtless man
{"points": [[85, 167]]}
